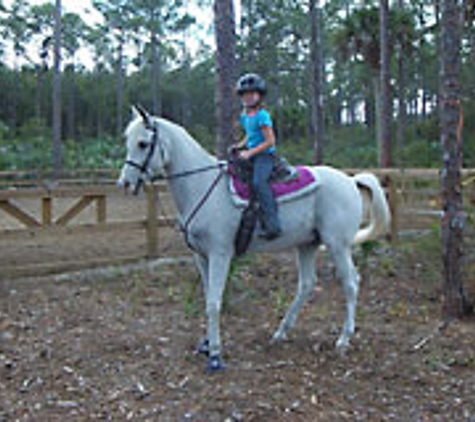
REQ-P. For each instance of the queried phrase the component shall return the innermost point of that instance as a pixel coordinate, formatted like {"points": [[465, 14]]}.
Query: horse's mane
{"points": [[171, 132]]}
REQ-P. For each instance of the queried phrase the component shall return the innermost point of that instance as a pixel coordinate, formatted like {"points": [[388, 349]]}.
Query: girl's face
{"points": [[250, 99]]}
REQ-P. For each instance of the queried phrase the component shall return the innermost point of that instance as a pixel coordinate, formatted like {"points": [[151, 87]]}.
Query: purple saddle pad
{"points": [[280, 189]]}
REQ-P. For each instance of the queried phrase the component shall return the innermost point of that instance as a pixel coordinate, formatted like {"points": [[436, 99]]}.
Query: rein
{"points": [[205, 197], [189, 172]]}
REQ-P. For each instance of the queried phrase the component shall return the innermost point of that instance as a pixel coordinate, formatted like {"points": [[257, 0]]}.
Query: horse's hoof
{"points": [[342, 346], [278, 337], [215, 364], [203, 348]]}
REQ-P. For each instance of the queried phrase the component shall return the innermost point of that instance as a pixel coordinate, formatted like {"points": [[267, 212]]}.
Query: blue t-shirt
{"points": [[253, 124]]}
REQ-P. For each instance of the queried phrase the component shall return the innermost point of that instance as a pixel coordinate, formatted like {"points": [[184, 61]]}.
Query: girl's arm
{"points": [[269, 136]]}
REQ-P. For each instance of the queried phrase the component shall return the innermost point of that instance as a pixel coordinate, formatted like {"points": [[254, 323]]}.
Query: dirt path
{"points": [[124, 350]]}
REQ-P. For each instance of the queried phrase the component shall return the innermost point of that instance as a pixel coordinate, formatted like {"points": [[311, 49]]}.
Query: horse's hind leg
{"points": [[306, 284], [350, 280]]}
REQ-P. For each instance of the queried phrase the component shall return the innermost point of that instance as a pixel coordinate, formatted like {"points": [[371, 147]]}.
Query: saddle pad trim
{"points": [[312, 184]]}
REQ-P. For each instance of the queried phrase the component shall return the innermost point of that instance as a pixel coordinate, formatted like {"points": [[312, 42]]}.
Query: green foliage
{"points": [[351, 147], [420, 154], [95, 153], [32, 149]]}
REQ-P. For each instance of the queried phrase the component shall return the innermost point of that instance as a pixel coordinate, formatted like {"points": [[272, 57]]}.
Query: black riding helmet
{"points": [[251, 82]]}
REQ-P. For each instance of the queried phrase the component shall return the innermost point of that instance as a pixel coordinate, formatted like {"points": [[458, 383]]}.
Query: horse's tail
{"points": [[380, 216]]}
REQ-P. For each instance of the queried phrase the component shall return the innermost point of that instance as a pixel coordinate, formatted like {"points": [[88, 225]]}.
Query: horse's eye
{"points": [[143, 145]]}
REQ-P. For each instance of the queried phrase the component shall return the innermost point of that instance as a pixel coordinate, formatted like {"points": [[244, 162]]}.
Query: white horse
{"points": [[199, 186]]}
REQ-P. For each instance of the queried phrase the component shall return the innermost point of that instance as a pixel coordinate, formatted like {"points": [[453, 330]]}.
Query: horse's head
{"points": [[146, 151]]}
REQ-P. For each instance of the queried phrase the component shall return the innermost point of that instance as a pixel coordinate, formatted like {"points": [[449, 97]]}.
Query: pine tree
{"points": [[225, 66], [385, 108], [455, 302], [57, 147]]}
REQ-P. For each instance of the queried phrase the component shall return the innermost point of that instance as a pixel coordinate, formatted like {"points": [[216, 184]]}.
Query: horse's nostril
{"points": [[126, 184]]}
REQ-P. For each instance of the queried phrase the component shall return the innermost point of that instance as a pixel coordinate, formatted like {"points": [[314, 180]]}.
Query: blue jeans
{"points": [[262, 169]]}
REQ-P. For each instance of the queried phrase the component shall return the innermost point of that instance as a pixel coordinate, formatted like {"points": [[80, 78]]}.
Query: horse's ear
{"points": [[139, 111], [135, 112]]}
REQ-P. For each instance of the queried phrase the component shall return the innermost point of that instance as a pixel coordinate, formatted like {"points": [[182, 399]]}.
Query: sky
{"points": [[92, 16]]}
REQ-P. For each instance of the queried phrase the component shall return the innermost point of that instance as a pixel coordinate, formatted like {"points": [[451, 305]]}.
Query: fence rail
{"points": [[413, 196]]}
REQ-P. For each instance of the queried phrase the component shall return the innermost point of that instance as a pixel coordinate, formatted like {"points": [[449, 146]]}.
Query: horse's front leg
{"points": [[203, 268], [218, 268]]}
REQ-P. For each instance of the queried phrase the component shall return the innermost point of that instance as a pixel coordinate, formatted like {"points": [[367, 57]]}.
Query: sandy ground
{"points": [[124, 348]]}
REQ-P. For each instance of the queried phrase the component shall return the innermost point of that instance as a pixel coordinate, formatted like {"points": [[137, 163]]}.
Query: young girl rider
{"points": [[260, 146]]}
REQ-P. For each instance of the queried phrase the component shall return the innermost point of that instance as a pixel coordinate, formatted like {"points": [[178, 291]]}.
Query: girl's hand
{"points": [[245, 155]]}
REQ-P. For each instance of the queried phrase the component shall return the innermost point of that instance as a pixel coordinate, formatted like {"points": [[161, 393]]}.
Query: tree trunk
{"points": [[336, 109], [15, 96], [39, 93], [351, 77], [225, 66], [57, 147], [247, 25], [156, 73], [385, 118], [455, 303], [281, 136], [317, 130], [186, 107], [100, 105], [369, 109], [72, 103], [402, 106], [120, 87]]}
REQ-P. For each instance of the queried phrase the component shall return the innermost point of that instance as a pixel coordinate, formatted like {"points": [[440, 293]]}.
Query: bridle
{"points": [[144, 170]]}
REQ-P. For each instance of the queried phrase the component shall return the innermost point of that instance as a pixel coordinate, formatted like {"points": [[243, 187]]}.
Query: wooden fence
{"points": [[83, 197], [413, 197]]}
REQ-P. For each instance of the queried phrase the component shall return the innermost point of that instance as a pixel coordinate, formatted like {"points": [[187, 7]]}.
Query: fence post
{"points": [[152, 226], [47, 211], [393, 206], [101, 209]]}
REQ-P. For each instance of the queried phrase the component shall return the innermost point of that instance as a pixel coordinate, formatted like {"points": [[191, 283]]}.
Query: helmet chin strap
{"points": [[253, 106]]}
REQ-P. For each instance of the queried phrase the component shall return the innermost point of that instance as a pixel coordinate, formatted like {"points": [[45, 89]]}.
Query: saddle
{"points": [[282, 171], [287, 183]]}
